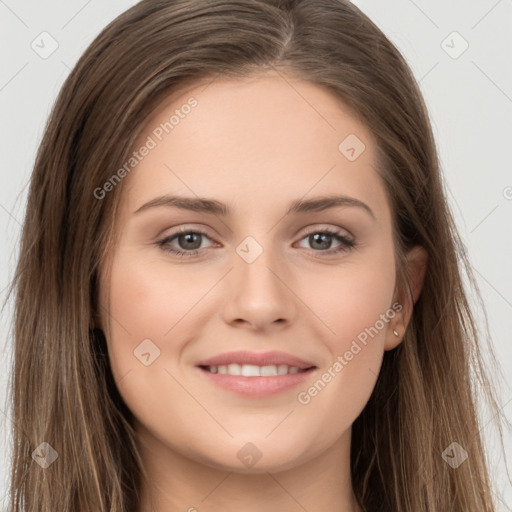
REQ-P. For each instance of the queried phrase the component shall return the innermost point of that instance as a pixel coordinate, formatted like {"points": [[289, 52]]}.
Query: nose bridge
{"points": [[258, 294], [257, 264]]}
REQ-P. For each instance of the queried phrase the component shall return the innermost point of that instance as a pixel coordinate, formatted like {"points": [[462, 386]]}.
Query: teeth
{"points": [[234, 369], [252, 370], [282, 369], [269, 371]]}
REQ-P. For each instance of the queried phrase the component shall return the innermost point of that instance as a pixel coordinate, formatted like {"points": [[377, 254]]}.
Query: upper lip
{"points": [[256, 358]]}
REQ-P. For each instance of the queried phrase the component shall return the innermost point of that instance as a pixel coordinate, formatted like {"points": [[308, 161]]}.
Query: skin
{"points": [[256, 145]]}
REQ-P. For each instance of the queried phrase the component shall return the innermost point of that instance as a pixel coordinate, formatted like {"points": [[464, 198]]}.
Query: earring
{"points": [[396, 333]]}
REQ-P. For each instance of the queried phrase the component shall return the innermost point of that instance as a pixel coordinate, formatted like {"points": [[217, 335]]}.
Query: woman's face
{"points": [[288, 262]]}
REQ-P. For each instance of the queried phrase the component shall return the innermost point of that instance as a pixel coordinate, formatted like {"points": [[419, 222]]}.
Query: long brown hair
{"points": [[63, 392]]}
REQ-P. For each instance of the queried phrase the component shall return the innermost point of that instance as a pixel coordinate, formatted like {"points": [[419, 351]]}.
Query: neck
{"points": [[176, 483]]}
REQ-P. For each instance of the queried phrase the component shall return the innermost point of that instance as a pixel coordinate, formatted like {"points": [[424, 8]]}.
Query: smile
{"points": [[252, 381], [252, 370]]}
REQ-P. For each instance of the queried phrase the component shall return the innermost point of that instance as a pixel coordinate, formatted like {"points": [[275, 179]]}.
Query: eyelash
{"points": [[346, 244]]}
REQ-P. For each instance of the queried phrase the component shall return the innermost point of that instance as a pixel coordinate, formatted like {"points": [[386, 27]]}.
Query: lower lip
{"points": [[257, 386]]}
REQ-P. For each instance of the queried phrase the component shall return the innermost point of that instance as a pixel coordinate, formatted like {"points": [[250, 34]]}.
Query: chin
{"points": [[259, 455]]}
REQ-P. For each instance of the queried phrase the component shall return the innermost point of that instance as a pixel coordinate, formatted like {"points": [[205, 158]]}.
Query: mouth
{"points": [[256, 375], [252, 370]]}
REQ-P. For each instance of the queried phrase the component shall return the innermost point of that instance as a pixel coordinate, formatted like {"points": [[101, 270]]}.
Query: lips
{"points": [[256, 375], [273, 358]]}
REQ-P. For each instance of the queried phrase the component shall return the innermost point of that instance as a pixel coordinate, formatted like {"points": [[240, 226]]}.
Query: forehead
{"points": [[264, 139]]}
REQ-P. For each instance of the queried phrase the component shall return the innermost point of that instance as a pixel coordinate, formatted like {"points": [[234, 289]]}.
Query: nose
{"points": [[259, 294]]}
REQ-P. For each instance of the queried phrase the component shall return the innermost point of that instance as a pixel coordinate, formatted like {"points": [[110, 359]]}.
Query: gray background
{"points": [[469, 95]]}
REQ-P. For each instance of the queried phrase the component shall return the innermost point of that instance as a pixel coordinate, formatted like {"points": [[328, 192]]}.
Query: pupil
{"points": [[189, 239], [318, 236]]}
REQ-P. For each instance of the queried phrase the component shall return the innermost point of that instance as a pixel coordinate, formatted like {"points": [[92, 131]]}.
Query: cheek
{"points": [[146, 304], [351, 298], [357, 310], [148, 298], [360, 306]]}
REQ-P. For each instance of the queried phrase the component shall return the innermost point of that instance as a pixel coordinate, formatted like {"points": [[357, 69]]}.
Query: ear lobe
{"points": [[393, 337], [416, 266]]}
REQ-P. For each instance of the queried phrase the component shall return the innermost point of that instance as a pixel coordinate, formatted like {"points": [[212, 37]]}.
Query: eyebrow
{"points": [[212, 206]]}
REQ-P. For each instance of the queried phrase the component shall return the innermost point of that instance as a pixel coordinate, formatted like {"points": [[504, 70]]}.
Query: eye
{"points": [[190, 241], [322, 239]]}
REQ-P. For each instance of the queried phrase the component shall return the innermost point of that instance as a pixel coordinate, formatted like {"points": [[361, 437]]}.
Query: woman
{"points": [[254, 369]]}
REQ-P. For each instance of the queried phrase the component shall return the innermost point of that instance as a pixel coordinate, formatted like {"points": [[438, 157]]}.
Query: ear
{"points": [[416, 265]]}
